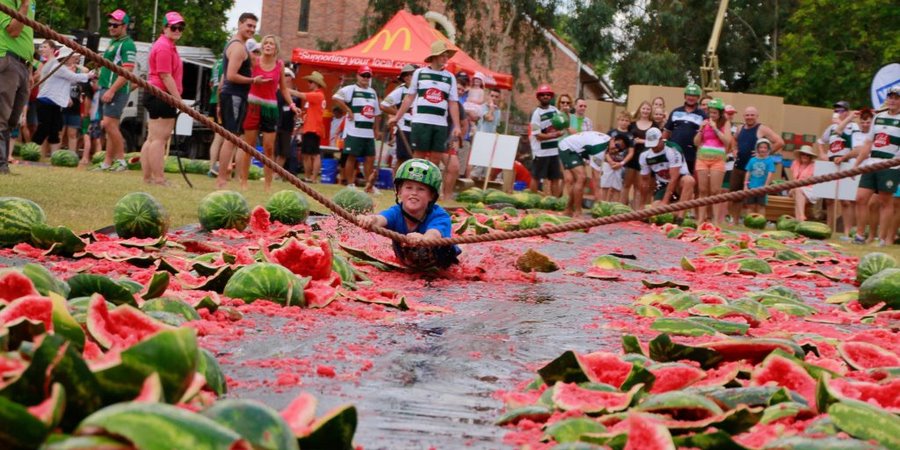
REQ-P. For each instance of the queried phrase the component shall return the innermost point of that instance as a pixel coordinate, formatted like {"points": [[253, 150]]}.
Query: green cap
{"points": [[692, 89], [420, 170], [716, 103]]}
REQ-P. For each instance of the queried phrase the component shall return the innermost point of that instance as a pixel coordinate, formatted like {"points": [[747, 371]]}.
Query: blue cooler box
{"points": [[329, 170], [385, 179]]}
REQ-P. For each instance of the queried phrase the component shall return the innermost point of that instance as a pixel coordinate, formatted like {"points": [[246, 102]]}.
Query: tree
{"points": [[832, 51], [590, 29], [205, 18], [663, 42]]}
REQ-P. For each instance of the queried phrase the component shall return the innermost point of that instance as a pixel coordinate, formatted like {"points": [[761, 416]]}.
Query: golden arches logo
{"points": [[389, 38]]}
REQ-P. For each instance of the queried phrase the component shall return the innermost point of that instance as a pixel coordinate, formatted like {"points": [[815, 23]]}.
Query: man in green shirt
{"points": [[16, 52], [114, 89]]}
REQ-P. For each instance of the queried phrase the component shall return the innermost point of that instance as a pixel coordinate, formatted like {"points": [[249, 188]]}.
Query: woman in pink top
{"points": [[712, 143], [262, 107], [165, 73], [801, 169]]}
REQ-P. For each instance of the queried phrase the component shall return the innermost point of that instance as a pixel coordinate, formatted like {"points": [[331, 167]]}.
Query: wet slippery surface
{"points": [[420, 380]]}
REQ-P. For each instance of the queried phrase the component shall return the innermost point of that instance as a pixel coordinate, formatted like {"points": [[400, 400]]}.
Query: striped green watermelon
{"points": [[288, 207], [17, 216], [814, 230], [224, 209], [267, 281], [98, 157], [354, 200], [873, 263], [30, 152], [139, 215], [64, 158]]}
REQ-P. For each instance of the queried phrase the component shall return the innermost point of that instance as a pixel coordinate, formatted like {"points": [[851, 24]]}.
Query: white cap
{"points": [[253, 46], [288, 72], [63, 52], [652, 137]]}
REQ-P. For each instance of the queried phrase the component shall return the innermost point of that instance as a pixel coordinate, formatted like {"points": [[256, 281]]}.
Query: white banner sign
{"points": [[845, 187], [497, 151]]}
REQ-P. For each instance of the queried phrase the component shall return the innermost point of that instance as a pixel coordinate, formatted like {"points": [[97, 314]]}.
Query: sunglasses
{"points": [[114, 25], [565, 103], [366, 75], [545, 95], [839, 110], [177, 27]]}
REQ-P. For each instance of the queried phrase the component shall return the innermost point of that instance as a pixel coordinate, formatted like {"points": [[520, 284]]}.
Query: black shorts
{"points": [[158, 109], [635, 161], [234, 110], [310, 144], [546, 168], [403, 151], [736, 181]]}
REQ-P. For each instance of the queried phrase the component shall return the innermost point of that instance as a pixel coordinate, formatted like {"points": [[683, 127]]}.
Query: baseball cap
{"points": [[288, 72], [842, 104], [652, 137], [729, 109], [253, 46], [120, 15], [364, 70], [894, 90], [172, 18]]}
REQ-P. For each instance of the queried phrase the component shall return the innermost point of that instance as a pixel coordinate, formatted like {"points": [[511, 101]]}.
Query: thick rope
{"points": [[499, 236], [649, 212], [196, 115]]}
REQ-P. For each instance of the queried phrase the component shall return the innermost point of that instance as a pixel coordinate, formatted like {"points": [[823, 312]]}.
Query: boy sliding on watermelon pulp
{"points": [[416, 214]]}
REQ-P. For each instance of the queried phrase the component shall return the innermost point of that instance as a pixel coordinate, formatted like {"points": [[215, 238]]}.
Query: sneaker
{"points": [[859, 240], [845, 238], [118, 166], [879, 242], [103, 167], [213, 170]]}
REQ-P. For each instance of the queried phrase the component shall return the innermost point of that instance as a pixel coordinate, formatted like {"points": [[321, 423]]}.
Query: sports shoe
{"points": [[118, 166], [879, 242], [213, 170], [103, 167], [859, 240]]}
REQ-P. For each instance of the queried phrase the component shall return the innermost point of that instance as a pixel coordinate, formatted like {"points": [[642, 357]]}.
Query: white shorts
{"points": [[597, 161], [611, 179]]}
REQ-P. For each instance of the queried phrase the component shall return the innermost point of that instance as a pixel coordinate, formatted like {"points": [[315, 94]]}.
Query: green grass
{"points": [[84, 200]]}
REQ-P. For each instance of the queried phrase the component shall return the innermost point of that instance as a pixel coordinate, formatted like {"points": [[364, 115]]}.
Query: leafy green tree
{"points": [[832, 50], [205, 18]]}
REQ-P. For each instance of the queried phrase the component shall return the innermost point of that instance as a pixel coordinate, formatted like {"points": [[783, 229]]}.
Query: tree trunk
{"points": [[93, 16]]}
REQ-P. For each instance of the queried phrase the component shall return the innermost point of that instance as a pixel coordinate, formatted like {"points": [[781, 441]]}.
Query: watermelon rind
{"points": [[17, 216], [19, 429], [288, 207], [866, 422], [865, 355], [569, 430], [813, 230], [884, 286], [209, 367], [159, 426], [267, 281], [786, 223], [755, 221], [471, 195], [334, 430], [260, 425], [224, 210], [872, 263], [140, 215]]}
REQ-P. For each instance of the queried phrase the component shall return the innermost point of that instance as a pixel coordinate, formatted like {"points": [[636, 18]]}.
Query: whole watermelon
{"points": [[527, 200], [171, 165], [755, 221], [873, 263], [256, 173], [139, 215], [471, 195], [197, 166], [133, 160], [601, 209], [814, 230], [223, 209], [98, 157], [354, 200], [17, 149], [499, 197], [17, 216], [288, 207], [64, 158], [786, 223], [884, 286], [267, 281], [30, 152]]}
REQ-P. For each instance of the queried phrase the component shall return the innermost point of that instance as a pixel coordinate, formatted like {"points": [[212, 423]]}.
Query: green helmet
{"points": [[420, 170], [692, 89], [559, 122], [716, 103]]}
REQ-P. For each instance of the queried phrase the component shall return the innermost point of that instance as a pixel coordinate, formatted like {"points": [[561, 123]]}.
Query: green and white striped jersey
{"points": [[839, 144], [365, 107], [393, 100], [540, 121], [885, 136], [434, 90]]}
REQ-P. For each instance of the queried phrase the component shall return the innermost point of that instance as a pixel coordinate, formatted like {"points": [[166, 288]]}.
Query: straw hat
{"points": [[438, 48], [317, 78], [807, 150]]}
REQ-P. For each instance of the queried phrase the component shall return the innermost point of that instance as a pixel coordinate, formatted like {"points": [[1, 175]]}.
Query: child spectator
{"points": [[416, 214], [760, 171], [474, 104], [614, 169]]}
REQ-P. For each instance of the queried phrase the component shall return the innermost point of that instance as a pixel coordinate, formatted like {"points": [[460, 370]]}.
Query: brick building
{"points": [[313, 24]]}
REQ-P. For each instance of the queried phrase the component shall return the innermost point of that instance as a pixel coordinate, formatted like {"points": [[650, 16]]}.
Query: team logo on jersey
{"points": [[881, 140], [434, 95], [836, 145], [368, 111]]}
